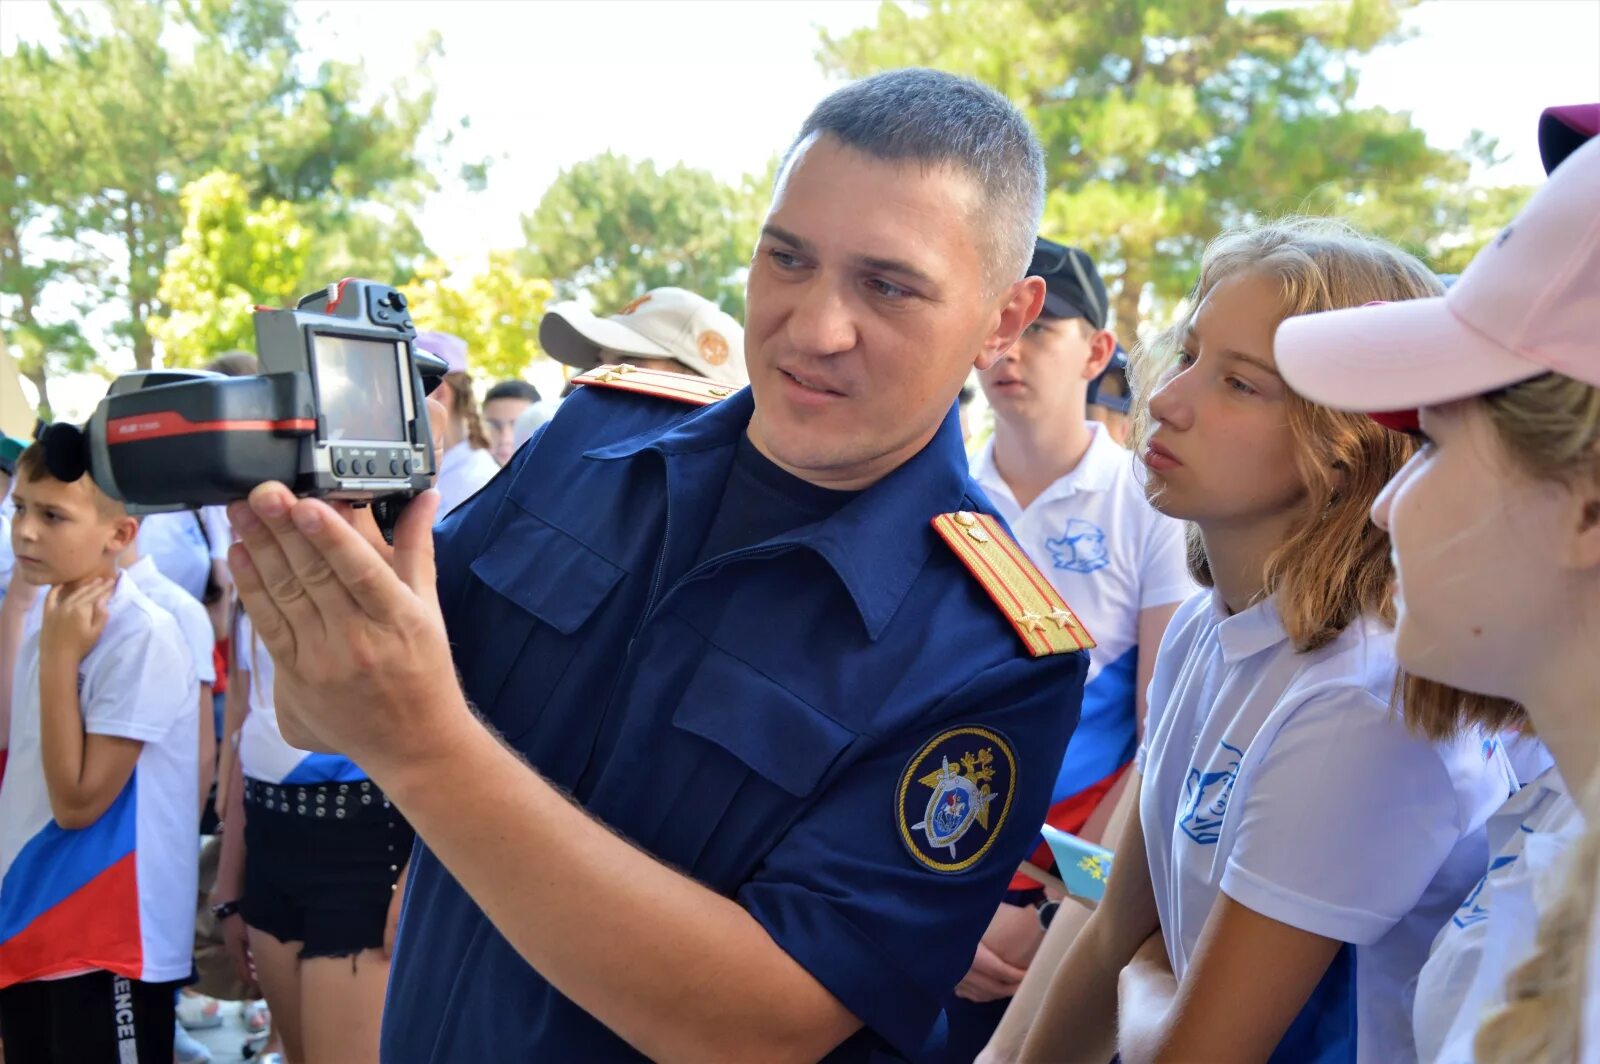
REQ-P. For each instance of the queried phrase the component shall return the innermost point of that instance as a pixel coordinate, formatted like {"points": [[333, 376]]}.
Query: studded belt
{"points": [[322, 801]]}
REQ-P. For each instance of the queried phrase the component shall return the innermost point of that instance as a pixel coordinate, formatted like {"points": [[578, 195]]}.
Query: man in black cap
{"points": [[1069, 491]]}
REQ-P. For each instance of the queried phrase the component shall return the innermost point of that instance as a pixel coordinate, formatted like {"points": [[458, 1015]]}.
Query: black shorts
{"points": [[326, 880], [96, 1016]]}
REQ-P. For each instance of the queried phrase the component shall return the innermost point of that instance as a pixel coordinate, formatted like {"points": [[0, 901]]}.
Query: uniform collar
{"points": [[1243, 635], [877, 542], [1095, 471], [142, 569]]}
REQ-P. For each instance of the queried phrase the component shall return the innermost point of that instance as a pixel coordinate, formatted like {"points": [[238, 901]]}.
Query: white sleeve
{"points": [[197, 634], [1164, 570], [1589, 1036], [140, 686], [1176, 643], [1346, 820], [218, 530]]}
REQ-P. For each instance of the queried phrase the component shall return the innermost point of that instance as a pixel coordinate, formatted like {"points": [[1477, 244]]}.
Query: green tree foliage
{"points": [[233, 256], [617, 228], [141, 97], [36, 159], [496, 312], [1165, 121]]}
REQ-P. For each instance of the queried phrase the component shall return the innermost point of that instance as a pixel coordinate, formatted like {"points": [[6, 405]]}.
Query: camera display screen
{"points": [[358, 385]]}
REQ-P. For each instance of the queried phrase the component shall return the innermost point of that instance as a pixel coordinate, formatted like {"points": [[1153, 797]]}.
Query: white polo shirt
{"points": [[219, 530], [1287, 782], [1110, 554], [1589, 1035], [463, 471], [1492, 932], [8, 560], [118, 895], [178, 544], [192, 619], [264, 754]]}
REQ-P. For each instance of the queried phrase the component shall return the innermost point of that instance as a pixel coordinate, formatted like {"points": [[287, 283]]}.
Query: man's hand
{"points": [[363, 664], [73, 620]]}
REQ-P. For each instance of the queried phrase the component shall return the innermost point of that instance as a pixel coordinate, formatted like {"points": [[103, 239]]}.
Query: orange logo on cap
{"points": [[635, 305], [713, 347]]}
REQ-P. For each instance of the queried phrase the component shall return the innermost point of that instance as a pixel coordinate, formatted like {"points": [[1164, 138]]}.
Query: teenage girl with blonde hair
{"points": [[1496, 534], [1298, 841]]}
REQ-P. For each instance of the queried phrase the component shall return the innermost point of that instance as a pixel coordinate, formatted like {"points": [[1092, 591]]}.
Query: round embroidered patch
{"points": [[713, 347], [954, 797]]}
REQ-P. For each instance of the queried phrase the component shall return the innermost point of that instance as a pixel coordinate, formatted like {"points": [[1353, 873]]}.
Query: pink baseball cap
{"points": [[1528, 305], [1562, 131]]}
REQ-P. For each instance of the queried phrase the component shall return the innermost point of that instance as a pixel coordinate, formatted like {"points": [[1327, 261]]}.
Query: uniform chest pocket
{"points": [[763, 753], [518, 631]]}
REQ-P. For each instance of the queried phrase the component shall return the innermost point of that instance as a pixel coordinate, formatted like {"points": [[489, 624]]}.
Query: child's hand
{"points": [[20, 593], [74, 620]]}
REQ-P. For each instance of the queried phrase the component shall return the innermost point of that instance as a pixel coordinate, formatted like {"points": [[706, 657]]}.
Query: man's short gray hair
{"points": [[942, 119]]}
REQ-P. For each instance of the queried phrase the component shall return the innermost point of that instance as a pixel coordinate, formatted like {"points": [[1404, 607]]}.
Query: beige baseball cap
{"points": [[662, 323]]}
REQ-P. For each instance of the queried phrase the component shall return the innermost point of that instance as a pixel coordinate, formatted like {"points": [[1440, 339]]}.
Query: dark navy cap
{"points": [[1073, 288]]}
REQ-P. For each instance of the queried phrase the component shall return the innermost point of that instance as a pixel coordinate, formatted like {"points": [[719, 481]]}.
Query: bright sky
{"points": [[724, 85]]}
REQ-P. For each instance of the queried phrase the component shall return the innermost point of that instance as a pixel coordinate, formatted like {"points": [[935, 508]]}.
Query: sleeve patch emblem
{"points": [[954, 797]]}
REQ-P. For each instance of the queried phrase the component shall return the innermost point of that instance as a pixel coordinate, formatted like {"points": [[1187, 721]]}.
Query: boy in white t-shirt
{"points": [[1075, 502], [98, 859]]}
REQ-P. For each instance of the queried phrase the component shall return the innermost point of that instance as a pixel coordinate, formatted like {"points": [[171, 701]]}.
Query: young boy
{"points": [[97, 808], [1073, 497]]}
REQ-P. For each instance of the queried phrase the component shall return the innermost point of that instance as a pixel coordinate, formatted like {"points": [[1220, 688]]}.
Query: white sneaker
{"points": [[257, 1018], [185, 1050], [196, 1012]]}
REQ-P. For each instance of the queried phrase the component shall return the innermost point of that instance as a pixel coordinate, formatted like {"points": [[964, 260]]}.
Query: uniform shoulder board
{"points": [[684, 387], [1029, 601]]}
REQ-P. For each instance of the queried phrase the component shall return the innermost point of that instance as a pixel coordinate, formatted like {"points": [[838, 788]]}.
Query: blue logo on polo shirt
{"points": [[1472, 911], [1081, 549], [1206, 799]]}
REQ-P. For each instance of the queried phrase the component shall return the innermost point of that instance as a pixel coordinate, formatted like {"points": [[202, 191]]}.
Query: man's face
{"points": [[500, 422], [1044, 378], [58, 534], [867, 309]]}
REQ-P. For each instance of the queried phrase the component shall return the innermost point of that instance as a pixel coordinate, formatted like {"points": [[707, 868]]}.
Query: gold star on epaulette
{"points": [[684, 387], [1030, 602]]}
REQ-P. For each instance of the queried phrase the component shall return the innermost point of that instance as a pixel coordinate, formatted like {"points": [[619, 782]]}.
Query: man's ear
{"points": [[1102, 345], [1024, 300]]}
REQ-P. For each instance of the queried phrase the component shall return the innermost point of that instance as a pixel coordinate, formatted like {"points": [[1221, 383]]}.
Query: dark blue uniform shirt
{"points": [[762, 720]]}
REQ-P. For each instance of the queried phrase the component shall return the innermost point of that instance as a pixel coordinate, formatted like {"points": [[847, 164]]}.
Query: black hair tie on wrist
{"points": [[66, 451]]}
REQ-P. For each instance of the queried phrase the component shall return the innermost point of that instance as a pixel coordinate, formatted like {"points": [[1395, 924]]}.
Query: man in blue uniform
{"points": [[792, 700]]}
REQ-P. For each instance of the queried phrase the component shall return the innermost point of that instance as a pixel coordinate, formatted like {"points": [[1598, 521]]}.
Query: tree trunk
{"points": [[140, 283], [144, 348], [1126, 305], [41, 382]]}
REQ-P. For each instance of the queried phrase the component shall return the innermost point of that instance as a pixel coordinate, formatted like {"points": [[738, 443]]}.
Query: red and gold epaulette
{"points": [[1030, 602], [684, 387]]}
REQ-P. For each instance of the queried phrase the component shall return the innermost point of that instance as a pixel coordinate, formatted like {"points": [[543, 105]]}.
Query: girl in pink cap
{"points": [[1495, 527]]}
